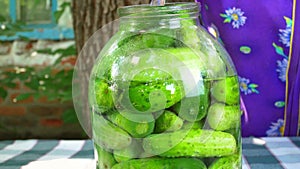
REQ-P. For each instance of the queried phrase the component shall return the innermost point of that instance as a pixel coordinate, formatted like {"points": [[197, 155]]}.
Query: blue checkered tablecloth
{"points": [[262, 153]]}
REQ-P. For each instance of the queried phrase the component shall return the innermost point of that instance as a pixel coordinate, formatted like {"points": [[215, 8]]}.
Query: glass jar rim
{"points": [[169, 9]]}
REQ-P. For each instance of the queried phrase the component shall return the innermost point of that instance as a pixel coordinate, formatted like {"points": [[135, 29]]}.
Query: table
{"points": [[258, 153]]}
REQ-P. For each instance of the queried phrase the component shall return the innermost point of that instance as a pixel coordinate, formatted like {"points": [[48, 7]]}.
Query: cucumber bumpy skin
{"points": [[193, 143], [191, 109], [186, 108], [168, 121], [171, 74], [162, 163], [109, 136], [228, 162], [155, 96], [226, 90], [106, 159], [101, 93], [137, 125], [223, 117], [128, 44]]}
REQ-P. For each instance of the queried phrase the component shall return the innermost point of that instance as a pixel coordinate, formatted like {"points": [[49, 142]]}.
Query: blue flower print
{"points": [[246, 87], [281, 69], [234, 15], [285, 34], [276, 129]]}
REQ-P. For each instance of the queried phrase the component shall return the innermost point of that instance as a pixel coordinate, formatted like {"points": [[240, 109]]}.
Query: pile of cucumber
{"points": [[153, 118]]}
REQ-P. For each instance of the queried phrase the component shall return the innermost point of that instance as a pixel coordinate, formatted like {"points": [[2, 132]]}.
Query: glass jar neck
{"points": [[146, 17]]}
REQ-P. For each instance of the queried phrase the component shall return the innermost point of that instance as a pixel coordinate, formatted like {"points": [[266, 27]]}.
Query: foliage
{"points": [[59, 13], [10, 29], [53, 82]]}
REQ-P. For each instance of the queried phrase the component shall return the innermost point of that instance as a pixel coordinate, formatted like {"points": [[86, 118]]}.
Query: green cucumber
{"points": [[107, 135], [159, 78], [129, 44], [228, 162], [105, 159], [101, 96], [163, 39], [132, 151], [168, 121], [188, 30], [193, 125], [209, 51], [194, 108], [223, 117], [226, 90], [193, 143], [137, 125], [162, 163], [154, 96]]}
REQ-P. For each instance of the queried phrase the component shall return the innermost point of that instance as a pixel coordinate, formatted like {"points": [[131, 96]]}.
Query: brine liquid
{"points": [[218, 102]]}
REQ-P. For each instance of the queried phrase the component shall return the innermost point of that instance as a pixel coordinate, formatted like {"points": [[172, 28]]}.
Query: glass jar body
{"points": [[164, 94]]}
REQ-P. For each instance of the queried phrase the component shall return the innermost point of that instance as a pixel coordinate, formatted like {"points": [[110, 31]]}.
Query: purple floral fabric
{"points": [[257, 35], [292, 108]]}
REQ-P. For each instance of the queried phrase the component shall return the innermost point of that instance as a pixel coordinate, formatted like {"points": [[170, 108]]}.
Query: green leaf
{"points": [[24, 38], [279, 50], [288, 21], [23, 96], [23, 76], [10, 84], [58, 60], [65, 4], [52, 96], [57, 15], [245, 49], [254, 90], [60, 74], [2, 18], [252, 85], [36, 2], [206, 6], [45, 51], [33, 83], [37, 95], [227, 20], [69, 116], [279, 104], [66, 96], [45, 71], [3, 93], [223, 15], [71, 50]]}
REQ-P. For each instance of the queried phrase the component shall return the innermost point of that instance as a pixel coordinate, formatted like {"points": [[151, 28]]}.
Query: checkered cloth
{"points": [[263, 153], [276, 153]]}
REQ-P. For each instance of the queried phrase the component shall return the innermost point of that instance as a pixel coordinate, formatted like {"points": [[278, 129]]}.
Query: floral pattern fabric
{"points": [[235, 16], [257, 36]]}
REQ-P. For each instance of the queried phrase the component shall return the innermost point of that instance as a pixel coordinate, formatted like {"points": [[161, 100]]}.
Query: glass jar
{"points": [[164, 94]]}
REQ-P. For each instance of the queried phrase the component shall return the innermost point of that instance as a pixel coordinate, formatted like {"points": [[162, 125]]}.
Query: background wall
{"points": [[36, 69]]}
